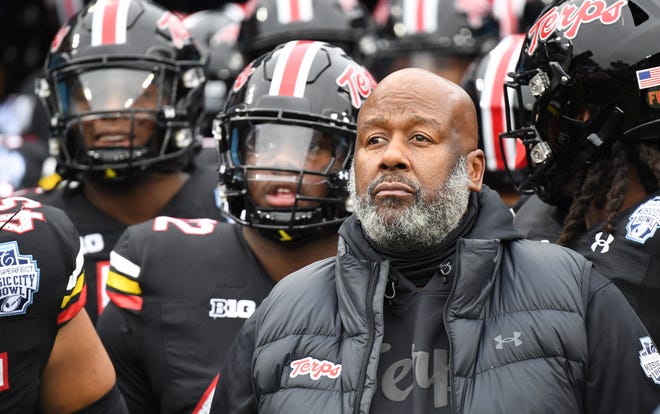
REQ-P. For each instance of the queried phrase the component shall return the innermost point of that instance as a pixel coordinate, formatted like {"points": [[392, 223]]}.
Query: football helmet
{"points": [[484, 82], [216, 34], [592, 69], [286, 136], [124, 85], [344, 23]]}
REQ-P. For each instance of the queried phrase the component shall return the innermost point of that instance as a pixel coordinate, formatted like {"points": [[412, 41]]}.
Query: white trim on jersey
{"points": [[123, 265], [73, 277]]}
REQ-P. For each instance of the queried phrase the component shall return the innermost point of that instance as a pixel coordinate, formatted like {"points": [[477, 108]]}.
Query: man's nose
{"points": [[395, 155]]}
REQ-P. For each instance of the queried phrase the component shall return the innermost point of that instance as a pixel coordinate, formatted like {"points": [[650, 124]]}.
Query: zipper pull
{"points": [[392, 280], [445, 269]]}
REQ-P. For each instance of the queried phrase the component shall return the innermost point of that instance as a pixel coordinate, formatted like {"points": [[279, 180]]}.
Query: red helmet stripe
{"points": [[109, 22], [502, 60], [292, 68], [291, 11], [420, 16]]}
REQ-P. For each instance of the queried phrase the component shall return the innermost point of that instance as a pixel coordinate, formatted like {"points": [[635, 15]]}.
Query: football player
{"points": [[592, 140], [124, 86], [181, 289], [51, 359]]}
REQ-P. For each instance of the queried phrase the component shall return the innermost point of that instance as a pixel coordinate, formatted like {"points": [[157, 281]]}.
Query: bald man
{"points": [[434, 303]]}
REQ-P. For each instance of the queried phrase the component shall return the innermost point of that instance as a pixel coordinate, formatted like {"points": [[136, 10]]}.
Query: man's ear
{"points": [[476, 163]]}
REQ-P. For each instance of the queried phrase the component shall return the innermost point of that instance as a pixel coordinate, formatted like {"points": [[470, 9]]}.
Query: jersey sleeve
{"points": [[123, 286], [42, 261], [623, 375], [76, 291], [67, 239], [120, 331]]}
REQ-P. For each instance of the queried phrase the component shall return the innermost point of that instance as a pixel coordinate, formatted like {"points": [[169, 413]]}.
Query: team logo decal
{"points": [[644, 221], [243, 77], [178, 31], [649, 359], [19, 280], [59, 37], [602, 243], [359, 83], [315, 368], [568, 18]]}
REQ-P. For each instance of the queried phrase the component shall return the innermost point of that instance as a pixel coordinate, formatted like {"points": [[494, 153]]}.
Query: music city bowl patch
{"points": [[644, 221], [19, 280], [649, 359]]}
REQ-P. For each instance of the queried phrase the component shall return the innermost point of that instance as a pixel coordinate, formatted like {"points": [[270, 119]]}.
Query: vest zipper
{"points": [[450, 371], [373, 279]]}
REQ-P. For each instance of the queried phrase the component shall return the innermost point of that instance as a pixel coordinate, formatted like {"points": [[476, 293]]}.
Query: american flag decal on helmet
{"points": [[291, 11], [292, 68], [109, 22]]}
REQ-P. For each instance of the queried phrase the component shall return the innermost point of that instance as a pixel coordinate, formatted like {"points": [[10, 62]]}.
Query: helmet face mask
{"points": [[125, 104], [285, 153], [584, 75]]}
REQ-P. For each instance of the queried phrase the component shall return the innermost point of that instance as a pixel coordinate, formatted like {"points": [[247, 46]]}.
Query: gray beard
{"points": [[424, 224]]}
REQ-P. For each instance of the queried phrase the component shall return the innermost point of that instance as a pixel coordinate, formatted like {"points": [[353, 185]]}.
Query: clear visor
{"points": [[113, 89], [295, 148]]}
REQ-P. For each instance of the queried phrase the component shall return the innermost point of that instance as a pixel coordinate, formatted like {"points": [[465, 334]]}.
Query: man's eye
{"points": [[374, 140], [420, 138]]}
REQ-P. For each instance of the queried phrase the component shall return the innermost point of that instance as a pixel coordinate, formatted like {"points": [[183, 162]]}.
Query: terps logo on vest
{"points": [[315, 368], [19, 279]]}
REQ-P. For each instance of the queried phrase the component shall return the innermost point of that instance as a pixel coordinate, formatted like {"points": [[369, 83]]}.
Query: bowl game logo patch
{"points": [[644, 221], [649, 359], [19, 279]]}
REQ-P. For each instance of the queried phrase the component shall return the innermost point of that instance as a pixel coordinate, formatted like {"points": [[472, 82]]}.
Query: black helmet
{"points": [[132, 65], [594, 72], [216, 34], [442, 34], [289, 122], [484, 82], [344, 23]]}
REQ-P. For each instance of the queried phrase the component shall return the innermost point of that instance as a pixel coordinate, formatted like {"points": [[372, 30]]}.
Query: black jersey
{"points": [[630, 256], [99, 232], [170, 322], [42, 287]]}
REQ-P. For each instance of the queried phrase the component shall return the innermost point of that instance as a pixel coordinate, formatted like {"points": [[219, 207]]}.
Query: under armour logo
{"points": [[604, 244], [501, 341]]}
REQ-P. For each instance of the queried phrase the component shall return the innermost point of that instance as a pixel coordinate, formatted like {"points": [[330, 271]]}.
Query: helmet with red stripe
{"points": [[216, 34], [444, 36], [593, 70], [344, 23], [124, 86], [286, 136], [484, 82]]}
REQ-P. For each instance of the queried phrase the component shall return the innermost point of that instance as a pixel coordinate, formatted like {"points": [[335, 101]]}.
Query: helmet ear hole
{"points": [[285, 142]]}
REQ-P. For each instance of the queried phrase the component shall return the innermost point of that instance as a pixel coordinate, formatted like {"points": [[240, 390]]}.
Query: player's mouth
{"points": [[281, 196], [113, 140]]}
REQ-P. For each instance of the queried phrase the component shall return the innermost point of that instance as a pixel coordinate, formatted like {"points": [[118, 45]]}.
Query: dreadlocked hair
{"points": [[603, 184], [649, 162]]}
